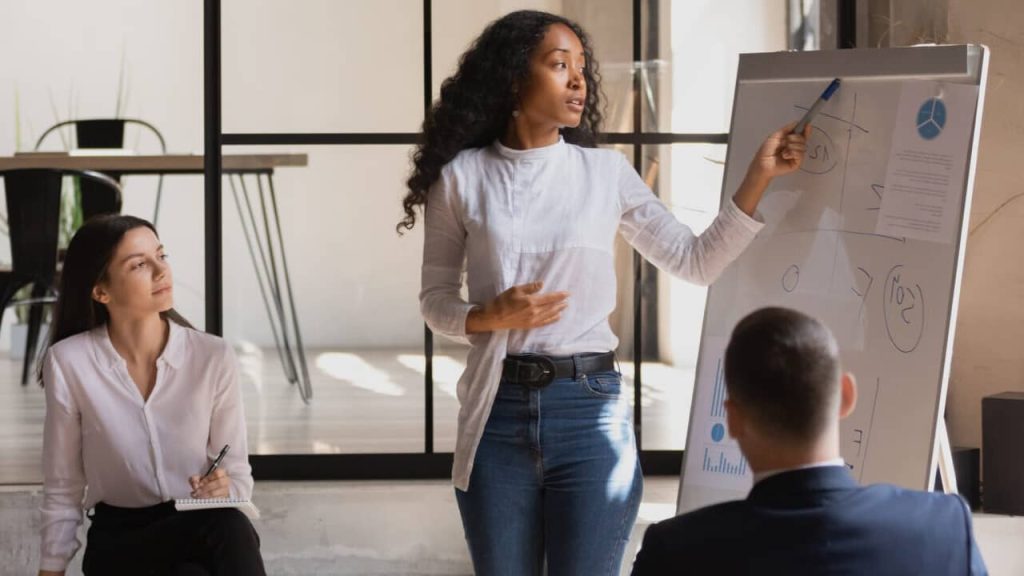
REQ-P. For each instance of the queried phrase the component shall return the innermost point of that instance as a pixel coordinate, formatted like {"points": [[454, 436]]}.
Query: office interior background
{"points": [[358, 73]]}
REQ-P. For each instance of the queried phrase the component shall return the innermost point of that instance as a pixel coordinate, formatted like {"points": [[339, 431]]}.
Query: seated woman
{"points": [[138, 406]]}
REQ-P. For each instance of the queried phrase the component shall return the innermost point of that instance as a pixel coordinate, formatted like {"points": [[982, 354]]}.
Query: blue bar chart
{"points": [[714, 461], [721, 460], [718, 396]]}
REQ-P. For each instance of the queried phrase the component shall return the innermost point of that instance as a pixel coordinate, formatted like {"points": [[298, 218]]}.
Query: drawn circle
{"points": [[791, 278], [903, 310], [931, 118], [717, 432], [821, 156]]}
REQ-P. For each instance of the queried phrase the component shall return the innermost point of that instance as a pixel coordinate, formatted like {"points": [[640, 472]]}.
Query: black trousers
{"points": [[158, 540]]}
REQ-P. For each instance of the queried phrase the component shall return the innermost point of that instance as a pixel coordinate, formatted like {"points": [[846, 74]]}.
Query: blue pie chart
{"points": [[931, 118], [717, 432]]}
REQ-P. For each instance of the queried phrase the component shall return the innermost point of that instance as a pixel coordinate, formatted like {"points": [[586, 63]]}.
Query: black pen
{"points": [[216, 462]]}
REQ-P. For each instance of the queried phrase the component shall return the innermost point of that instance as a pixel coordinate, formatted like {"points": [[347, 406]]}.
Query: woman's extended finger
{"points": [[549, 319], [550, 308], [549, 298]]}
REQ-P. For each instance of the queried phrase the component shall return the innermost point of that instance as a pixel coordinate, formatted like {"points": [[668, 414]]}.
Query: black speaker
{"points": [[1002, 446], [966, 466]]}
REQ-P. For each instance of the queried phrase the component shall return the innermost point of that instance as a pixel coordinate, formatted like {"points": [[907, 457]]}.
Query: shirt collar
{"points": [[769, 473], [172, 354], [530, 153]]}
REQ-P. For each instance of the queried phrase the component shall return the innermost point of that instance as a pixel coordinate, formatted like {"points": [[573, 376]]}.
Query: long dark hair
{"points": [[85, 265], [477, 102]]}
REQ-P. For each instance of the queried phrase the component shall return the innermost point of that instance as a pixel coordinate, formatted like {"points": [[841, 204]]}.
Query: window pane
{"points": [[688, 178], [355, 287], [692, 66], [322, 66]]}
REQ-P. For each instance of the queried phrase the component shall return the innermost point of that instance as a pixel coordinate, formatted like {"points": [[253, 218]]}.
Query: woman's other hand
{"points": [[518, 308]]}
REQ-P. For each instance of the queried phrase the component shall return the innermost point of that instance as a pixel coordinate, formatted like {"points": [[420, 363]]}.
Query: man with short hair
{"points": [[805, 513]]}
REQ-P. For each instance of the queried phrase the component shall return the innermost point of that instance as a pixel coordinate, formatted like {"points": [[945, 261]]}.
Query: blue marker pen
{"points": [[799, 129]]}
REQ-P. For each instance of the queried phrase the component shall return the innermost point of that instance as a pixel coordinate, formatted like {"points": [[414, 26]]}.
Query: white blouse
{"points": [[103, 443], [510, 217]]}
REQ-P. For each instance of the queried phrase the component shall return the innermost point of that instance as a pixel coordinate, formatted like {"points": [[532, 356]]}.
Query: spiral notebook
{"points": [[247, 507]]}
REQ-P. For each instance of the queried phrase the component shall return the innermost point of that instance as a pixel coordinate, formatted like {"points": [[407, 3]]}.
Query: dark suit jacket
{"points": [[817, 521]]}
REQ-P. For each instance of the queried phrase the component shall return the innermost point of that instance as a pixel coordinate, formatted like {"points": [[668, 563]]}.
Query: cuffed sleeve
{"points": [[63, 472], [444, 254], [227, 426]]}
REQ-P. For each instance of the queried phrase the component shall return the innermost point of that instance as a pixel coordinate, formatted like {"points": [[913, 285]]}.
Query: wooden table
{"points": [[256, 210], [150, 164]]}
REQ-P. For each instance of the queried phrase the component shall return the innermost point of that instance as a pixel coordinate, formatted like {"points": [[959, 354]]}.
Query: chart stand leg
{"points": [[944, 456]]}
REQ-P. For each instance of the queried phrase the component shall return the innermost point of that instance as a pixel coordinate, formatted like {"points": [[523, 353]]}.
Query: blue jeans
{"points": [[556, 477]]}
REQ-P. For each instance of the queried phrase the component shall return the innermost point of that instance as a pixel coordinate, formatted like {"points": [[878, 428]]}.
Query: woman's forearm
{"points": [[748, 195], [478, 320]]}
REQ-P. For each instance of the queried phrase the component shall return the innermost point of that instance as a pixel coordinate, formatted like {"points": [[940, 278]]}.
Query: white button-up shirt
{"points": [[511, 217], [100, 434]]}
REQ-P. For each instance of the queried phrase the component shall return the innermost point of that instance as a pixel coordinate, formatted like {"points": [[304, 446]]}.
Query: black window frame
{"points": [[428, 464]]}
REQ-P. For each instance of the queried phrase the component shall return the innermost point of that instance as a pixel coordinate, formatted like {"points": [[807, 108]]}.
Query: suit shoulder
{"points": [[916, 508], [897, 494]]}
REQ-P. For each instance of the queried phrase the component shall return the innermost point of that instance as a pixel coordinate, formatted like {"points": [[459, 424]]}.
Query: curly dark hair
{"points": [[477, 101]]}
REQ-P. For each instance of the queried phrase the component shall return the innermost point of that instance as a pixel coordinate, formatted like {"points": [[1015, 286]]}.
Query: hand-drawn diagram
{"points": [[903, 310], [821, 251], [791, 278], [862, 287], [857, 428], [877, 189], [821, 155]]}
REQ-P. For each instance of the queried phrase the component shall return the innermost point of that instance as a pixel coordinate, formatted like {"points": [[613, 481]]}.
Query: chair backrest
{"points": [[102, 132], [33, 215]]}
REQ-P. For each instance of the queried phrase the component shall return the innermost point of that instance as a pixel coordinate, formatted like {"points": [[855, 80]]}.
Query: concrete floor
{"points": [[337, 528], [407, 527]]}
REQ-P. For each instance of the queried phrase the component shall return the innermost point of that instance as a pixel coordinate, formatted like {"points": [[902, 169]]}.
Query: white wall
{"points": [[988, 356]]}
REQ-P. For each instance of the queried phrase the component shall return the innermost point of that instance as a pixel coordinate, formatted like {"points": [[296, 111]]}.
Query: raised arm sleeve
{"points": [[648, 225]]}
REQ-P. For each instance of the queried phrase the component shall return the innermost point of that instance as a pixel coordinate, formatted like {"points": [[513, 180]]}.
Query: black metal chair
{"points": [[105, 133], [33, 218]]}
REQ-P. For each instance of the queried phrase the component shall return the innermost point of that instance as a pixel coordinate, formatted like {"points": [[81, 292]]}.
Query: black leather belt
{"points": [[538, 370]]}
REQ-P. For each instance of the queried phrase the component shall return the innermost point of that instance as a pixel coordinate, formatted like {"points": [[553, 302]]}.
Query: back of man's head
{"points": [[782, 367]]}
